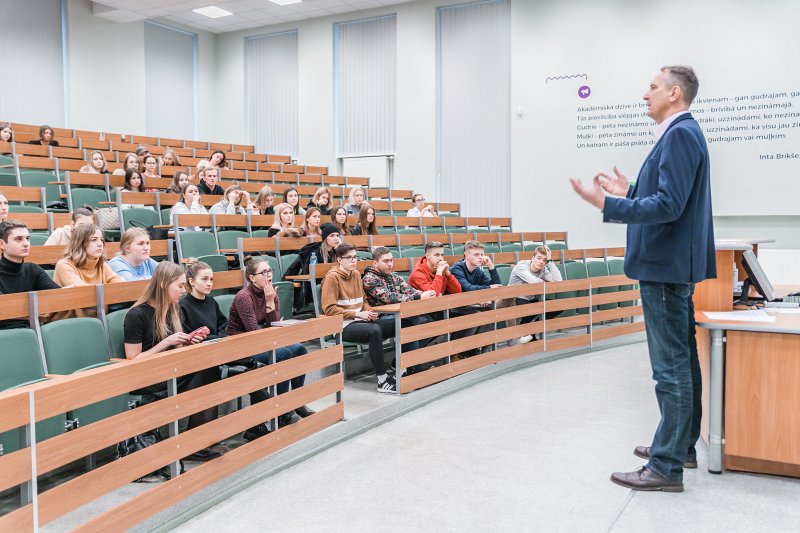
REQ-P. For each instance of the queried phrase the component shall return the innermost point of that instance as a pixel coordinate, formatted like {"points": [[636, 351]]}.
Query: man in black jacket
{"points": [[15, 274]]}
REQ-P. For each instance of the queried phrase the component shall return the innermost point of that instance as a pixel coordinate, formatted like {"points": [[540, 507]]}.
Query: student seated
{"points": [[208, 182], [312, 223], [366, 221], [95, 165], [170, 158], [180, 179], [292, 197], [536, 270], [217, 160], [339, 219], [155, 324], [189, 203], [3, 207], [470, 275], [324, 251], [342, 294], [6, 133], [134, 182], [420, 209], [235, 202], [61, 236], [84, 264], [15, 274], [133, 262], [45, 137], [356, 198], [432, 273], [383, 287], [322, 200], [284, 219], [257, 306], [130, 161], [469, 271], [264, 201], [150, 167]]}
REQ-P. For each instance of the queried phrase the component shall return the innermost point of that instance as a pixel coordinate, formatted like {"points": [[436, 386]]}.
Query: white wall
{"points": [[620, 42], [106, 74]]}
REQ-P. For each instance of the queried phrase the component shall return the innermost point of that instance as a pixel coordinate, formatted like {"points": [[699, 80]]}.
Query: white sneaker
{"points": [[389, 385], [525, 340]]}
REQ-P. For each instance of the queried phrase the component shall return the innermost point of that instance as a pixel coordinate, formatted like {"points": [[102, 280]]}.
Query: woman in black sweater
{"points": [[200, 309]]}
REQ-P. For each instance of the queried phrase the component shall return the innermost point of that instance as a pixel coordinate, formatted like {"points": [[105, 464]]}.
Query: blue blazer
{"points": [[668, 210]]}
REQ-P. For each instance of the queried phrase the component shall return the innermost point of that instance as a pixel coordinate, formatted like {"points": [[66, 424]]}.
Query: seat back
{"points": [[228, 239], [25, 209], [74, 344], [504, 271], [196, 244], [35, 178], [616, 267], [81, 196], [225, 301], [145, 217], [285, 290], [115, 322], [22, 361]]}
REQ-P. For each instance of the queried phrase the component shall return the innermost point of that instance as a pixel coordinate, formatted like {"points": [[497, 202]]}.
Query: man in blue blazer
{"points": [[670, 248]]}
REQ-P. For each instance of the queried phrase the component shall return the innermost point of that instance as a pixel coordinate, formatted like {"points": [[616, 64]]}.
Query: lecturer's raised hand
{"points": [[593, 194], [617, 185]]}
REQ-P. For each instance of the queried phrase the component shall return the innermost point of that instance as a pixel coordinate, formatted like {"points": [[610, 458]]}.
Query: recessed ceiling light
{"points": [[285, 2], [212, 12]]}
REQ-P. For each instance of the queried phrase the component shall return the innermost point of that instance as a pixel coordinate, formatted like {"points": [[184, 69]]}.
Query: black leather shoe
{"points": [[304, 411], [644, 479], [255, 432], [644, 453], [203, 456], [288, 419]]}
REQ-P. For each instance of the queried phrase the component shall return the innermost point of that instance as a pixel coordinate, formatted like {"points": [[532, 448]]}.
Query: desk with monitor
{"points": [[751, 373]]}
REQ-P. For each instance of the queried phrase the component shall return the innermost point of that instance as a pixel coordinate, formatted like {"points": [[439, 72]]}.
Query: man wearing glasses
{"points": [[343, 295]]}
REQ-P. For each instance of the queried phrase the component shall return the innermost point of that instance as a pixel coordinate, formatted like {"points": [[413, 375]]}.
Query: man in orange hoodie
{"points": [[432, 273]]}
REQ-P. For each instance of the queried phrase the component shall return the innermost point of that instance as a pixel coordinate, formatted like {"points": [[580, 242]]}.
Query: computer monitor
{"points": [[755, 277]]}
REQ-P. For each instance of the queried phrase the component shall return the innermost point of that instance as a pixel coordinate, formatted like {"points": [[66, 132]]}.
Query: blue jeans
{"points": [[282, 354], [670, 326]]}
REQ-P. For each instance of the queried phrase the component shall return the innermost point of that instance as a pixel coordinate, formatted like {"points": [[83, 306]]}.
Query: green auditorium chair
{"points": [[203, 246], [598, 269], [229, 239], [225, 301], [38, 239], [32, 178], [142, 217], [285, 290], [576, 270], [21, 365], [25, 209], [80, 196], [412, 251], [76, 345], [504, 271], [115, 324], [616, 267]]}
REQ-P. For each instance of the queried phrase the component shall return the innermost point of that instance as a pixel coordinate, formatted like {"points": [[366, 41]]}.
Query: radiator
{"points": [[781, 266]]}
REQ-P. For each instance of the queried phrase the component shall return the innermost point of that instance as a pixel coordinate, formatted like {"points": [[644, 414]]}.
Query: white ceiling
{"points": [[246, 13]]}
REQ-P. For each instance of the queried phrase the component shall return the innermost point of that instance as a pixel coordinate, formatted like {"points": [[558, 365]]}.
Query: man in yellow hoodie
{"points": [[342, 294]]}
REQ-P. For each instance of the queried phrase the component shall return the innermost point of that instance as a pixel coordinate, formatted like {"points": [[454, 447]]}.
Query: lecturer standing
{"points": [[670, 248]]}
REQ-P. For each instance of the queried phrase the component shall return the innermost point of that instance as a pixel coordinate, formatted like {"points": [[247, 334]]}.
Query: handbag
{"points": [[140, 442], [156, 234], [108, 218]]}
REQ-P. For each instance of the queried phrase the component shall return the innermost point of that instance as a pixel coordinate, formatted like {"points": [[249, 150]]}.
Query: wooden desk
{"points": [[717, 294], [751, 384]]}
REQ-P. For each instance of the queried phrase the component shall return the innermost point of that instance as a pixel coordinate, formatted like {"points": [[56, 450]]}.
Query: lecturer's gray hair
{"points": [[685, 78]]}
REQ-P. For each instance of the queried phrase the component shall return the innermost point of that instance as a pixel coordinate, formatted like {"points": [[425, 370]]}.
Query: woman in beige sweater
{"points": [[83, 264]]}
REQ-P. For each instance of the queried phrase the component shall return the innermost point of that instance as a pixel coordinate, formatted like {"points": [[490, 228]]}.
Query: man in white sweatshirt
{"points": [[536, 270]]}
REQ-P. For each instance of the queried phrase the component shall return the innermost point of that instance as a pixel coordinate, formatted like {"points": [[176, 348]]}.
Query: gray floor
{"points": [[528, 451]]}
